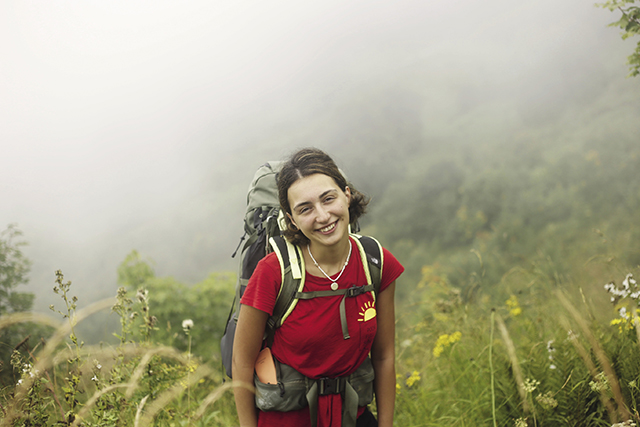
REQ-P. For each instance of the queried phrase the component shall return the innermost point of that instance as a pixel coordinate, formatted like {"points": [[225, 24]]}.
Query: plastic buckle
{"points": [[329, 386], [355, 291]]}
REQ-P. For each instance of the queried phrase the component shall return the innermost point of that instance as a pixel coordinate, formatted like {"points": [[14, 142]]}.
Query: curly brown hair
{"points": [[309, 161]]}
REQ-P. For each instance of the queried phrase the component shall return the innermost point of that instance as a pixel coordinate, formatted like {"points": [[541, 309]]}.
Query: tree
{"points": [[629, 22], [14, 270]]}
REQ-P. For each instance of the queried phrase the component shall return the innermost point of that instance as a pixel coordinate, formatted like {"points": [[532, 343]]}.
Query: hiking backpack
{"points": [[262, 225]]}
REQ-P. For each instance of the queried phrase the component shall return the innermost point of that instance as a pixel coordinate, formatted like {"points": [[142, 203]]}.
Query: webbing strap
{"points": [[312, 400], [348, 293], [326, 386]]}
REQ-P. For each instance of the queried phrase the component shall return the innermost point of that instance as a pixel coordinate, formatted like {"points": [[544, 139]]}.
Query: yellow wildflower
{"points": [[444, 341], [413, 378], [514, 306], [455, 337]]}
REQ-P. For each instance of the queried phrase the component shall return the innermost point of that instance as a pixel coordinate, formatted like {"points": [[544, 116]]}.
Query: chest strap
{"points": [[348, 293]]}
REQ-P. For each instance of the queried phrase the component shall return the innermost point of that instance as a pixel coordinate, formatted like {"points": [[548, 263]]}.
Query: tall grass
{"points": [[550, 364], [137, 383], [538, 358]]}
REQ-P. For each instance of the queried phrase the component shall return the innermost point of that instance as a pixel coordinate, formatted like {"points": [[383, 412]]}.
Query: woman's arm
{"points": [[246, 346], [383, 356]]}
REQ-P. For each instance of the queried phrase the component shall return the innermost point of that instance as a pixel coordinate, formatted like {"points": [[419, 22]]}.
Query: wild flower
{"points": [[521, 422], [530, 385], [514, 306], [142, 295], [547, 400], [187, 324], [551, 349], [600, 384], [624, 321], [629, 289], [571, 335], [412, 379], [444, 341]]}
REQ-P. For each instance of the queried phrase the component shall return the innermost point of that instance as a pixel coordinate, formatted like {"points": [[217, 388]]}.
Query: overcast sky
{"points": [[106, 106]]}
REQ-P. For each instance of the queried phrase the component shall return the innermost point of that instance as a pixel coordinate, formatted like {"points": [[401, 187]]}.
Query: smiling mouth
{"points": [[328, 228]]}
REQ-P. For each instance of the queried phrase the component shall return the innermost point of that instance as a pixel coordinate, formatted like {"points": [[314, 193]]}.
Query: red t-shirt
{"points": [[311, 339]]}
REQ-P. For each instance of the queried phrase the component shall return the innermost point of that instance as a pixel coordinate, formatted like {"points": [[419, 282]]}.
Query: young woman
{"points": [[320, 205]]}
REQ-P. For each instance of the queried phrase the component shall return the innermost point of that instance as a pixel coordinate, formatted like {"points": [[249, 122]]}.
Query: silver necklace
{"points": [[334, 283]]}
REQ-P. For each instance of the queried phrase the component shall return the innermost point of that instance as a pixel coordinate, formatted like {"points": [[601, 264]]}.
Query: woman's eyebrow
{"points": [[299, 205]]}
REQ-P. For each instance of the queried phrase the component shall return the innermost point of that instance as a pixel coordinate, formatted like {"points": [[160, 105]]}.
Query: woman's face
{"points": [[320, 209]]}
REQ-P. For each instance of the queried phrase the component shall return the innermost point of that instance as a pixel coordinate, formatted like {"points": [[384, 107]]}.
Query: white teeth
{"points": [[328, 228]]}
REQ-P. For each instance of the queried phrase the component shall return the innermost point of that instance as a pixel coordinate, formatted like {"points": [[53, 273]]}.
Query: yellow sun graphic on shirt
{"points": [[368, 312]]}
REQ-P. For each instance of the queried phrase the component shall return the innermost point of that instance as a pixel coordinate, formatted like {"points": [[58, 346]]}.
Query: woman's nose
{"points": [[323, 214]]}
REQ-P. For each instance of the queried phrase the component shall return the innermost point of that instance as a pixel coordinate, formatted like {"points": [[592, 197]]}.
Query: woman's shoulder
{"points": [[391, 267], [264, 284]]}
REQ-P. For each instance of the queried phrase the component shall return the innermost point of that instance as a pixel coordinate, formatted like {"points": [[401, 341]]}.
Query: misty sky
{"points": [[108, 106]]}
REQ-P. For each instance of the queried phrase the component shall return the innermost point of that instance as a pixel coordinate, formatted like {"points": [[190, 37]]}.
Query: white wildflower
{"points": [[530, 385], [187, 324], [521, 422], [629, 289], [550, 347]]}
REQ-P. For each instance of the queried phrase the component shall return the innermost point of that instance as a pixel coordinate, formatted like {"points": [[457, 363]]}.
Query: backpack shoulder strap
{"points": [[372, 259], [292, 270]]}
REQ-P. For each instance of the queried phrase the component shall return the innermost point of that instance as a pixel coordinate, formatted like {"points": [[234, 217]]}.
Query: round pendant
{"points": [[334, 286]]}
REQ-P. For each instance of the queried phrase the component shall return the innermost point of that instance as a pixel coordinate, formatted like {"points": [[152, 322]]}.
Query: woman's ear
{"points": [[293, 223], [347, 192]]}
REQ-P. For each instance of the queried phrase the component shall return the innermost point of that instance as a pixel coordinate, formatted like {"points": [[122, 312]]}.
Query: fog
{"points": [[123, 123]]}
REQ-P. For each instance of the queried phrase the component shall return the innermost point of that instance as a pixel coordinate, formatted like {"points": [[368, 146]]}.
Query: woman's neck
{"points": [[330, 258]]}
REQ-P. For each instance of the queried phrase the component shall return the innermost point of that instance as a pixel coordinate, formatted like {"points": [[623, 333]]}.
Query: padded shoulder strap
{"points": [[372, 258], [293, 271]]}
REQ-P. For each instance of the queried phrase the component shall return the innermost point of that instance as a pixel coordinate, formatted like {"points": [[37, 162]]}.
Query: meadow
{"points": [[543, 356]]}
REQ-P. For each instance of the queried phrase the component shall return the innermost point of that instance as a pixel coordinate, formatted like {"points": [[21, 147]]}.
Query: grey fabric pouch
{"points": [[290, 392]]}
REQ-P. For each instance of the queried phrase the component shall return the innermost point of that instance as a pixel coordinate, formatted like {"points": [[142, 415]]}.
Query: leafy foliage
{"points": [[629, 23], [206, 303], [73, 385], [14, 271], [538, 197]]}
